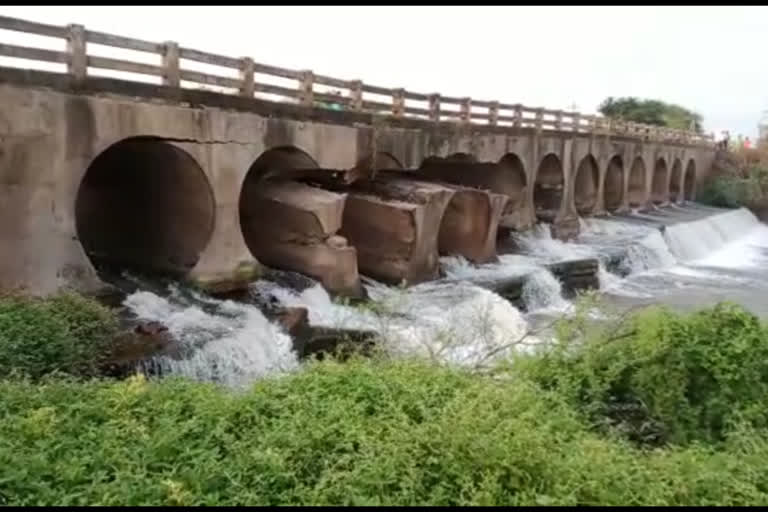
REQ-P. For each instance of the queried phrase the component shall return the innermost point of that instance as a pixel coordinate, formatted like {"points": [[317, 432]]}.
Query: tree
{"points": [[653, 112]]}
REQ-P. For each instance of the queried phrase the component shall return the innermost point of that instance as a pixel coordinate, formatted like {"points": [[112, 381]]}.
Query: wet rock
{"points": [[139, 344], [341, 343]]}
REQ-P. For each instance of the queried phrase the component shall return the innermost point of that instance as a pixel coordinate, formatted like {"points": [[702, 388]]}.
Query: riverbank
{"points": [[654, 409]]}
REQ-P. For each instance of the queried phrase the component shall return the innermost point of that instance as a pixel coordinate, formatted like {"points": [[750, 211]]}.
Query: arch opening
{"points": [[585, 191], [675, 182], [636, 186], [689, 183], [287, 223], [515, 182], [144, 205], [548, 189], [613, 188], [659, 192]]}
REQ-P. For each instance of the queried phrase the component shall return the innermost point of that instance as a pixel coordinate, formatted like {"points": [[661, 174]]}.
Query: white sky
{"points": [[710, 59]]}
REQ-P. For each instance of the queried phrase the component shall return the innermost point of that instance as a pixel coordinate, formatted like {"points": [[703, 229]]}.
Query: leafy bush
{"points": [[365, 433], [64, 333], [664, 377]]}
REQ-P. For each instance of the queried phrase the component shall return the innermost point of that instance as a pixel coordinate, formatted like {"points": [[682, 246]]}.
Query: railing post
{"points": [[518, 122], [78, 58], [356, 91], [434, 107], [465, 113], [559, 120], [171, 70], [493, 113], [246, 77], [398, 102], [306, 88], [539, 119], [576, 121]]}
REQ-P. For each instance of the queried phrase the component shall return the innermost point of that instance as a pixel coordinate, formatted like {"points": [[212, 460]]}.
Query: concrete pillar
{"points": [[356, 92], [466, 111], [78, 59], [398, 102], [306, 86], [434, 107], [171, 70], [246, 77]]}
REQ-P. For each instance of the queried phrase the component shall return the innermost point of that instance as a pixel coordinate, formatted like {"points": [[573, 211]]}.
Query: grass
{"points": [[664, 409]]}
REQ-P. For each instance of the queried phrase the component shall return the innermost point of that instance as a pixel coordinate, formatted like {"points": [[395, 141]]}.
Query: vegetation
{"points": [[66, 333], [659, 409], [739, 178], [653, 112]]}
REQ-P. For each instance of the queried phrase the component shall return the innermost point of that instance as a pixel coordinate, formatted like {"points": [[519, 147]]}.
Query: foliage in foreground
{"points": [[665, 410], [663, 377], [361, 433], [64, 333]]}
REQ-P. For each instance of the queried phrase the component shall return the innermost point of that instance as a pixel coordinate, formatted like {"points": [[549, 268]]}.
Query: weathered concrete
{"points": [[54, 133], [292, 226], [395, 227]]}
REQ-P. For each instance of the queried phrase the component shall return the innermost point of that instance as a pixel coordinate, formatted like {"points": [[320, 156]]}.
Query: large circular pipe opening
{"points": [[659, 182], [636, 188], [676, 181], [585, 191], [258, 230], [689, 183], [515, 182], [144, 205], [548, 190], [613, 188]]}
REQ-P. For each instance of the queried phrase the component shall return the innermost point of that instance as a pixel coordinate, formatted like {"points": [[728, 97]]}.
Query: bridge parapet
{"points": [[308, 88]]}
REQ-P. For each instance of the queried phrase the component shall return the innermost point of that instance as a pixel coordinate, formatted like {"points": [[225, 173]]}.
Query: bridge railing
{"points": [[310, 89]]}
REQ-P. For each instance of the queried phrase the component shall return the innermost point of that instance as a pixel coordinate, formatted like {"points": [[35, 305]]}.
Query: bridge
{"points": [[154, 172]]}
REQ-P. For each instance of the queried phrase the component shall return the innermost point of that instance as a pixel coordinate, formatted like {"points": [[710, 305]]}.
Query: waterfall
{"points": [[230, 342], [700, 238], [455, 323]]}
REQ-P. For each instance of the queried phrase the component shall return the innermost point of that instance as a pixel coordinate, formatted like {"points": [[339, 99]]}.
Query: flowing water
{"points": [[694, 262]]}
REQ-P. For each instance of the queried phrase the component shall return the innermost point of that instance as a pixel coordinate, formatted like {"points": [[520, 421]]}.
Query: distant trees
{"points": [[653, 112]]}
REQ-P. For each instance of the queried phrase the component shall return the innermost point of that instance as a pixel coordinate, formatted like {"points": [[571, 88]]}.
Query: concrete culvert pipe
{"points": [[144, 205]]}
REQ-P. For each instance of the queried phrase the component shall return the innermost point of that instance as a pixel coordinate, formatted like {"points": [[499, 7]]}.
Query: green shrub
{"points": [[365, 433], [664, 376], [63, 333]]}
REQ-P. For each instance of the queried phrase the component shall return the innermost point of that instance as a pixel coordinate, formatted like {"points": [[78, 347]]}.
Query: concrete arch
{"points": [[277, 160], [548, 188], [146, 205], [636, 192], [291, 225], [676, 181], [613, 184], [515, 181], [586, 185], [689, 181], [254, 205], [379, 161], [659, 182], [461, 157]]}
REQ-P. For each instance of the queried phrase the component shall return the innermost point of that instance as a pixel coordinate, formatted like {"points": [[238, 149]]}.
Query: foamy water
{"points": [[453, 321], [231, 343]]}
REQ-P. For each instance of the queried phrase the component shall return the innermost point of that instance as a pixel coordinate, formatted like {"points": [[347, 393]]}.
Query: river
{"points": [[693, 263]]}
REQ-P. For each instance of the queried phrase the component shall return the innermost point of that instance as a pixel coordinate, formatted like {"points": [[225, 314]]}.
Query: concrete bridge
{"points": [[98, 171]]}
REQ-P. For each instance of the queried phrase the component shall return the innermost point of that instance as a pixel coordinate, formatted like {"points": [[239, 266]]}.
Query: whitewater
{"points": [[687, 265]]}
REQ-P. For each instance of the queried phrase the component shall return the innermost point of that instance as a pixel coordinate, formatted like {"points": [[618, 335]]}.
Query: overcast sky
{"points": [[710, 59]]}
